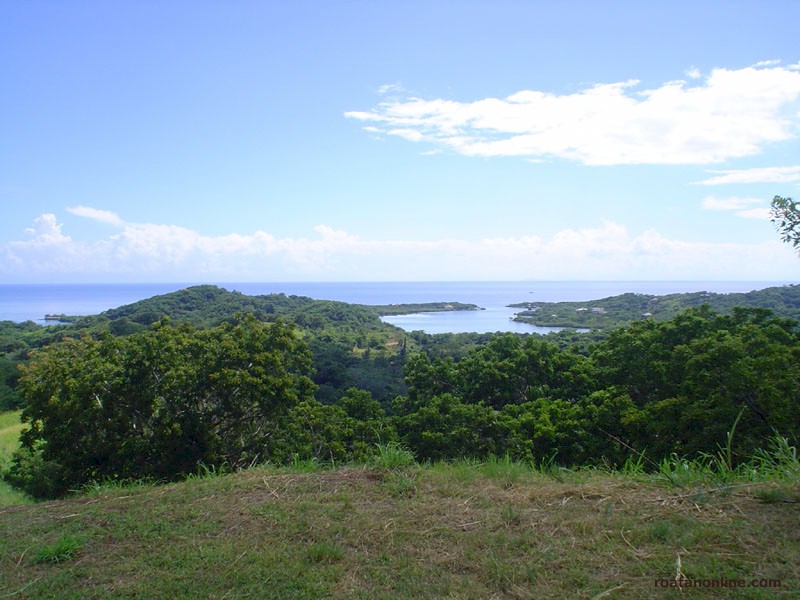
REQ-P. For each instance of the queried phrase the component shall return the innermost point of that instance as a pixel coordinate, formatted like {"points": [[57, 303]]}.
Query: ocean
{"points": [[33, 301]]}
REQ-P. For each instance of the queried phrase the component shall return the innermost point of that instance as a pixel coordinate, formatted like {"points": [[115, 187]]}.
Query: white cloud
{"points": [[391, 88], [45, 250], [757, 175], [746, 208], [728, 114], [729, 203], [156, 252], [46, 231], [412, 135], [693, 73], [102, 216], [767, 63]]}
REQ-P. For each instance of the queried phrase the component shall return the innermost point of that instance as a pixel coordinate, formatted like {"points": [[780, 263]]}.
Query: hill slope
{"points": [[458, 531], [617, 311]]}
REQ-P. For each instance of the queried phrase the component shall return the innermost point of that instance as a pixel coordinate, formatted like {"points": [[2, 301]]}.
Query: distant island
{"points": [[383, 310], [618, 311], [61, 318], [601, 314], [386, 310]]}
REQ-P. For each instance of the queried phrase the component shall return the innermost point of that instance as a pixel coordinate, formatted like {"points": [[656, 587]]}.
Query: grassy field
{"points": [[9, 440], [465, 530], [9, 430]]}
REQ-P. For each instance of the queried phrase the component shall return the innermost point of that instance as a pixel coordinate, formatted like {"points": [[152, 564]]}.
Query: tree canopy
{"points": [[228, 390], [158, 403]]}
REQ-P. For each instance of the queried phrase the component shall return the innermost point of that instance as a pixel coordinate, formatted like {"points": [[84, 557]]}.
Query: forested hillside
{"points": [[351, 346], [616, 311], [207, 377]]}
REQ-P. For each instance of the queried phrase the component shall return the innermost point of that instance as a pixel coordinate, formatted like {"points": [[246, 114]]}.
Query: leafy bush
{"points": [[346, 431], [156, 404]]}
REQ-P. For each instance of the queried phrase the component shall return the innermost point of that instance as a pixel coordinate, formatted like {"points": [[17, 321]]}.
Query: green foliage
{"points": [[156, 404], [16, 340], [324, 552], [408, 309], [785, 215], [130, 395], [391, 456], [9, 376], [512, 395], [346, 431], [66, 547], [679, 387], [350, 346], [506, 470], [625, 309], [508, 369], [689, 378], [445, 427], [448, 345], [400, 484], [773, 495], [208, 306], [543, 430], [10, 428], [31, 473], [777, 461]]}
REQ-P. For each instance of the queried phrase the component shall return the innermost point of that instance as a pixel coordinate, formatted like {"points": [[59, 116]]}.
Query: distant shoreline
{"points": [[31, 302]]}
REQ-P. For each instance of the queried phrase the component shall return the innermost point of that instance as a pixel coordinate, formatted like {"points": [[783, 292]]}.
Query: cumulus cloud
{"points": [[102, 216], [728, 114], [608, 251], [45, 231], [45, 249], [788, 174]]}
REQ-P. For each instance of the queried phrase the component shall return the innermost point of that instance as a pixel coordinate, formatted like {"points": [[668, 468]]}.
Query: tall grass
{"points": [[505, 469], [392, 456], [779, 461]]}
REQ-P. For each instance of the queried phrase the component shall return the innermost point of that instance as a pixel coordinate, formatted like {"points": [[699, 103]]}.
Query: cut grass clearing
{"points": [[463, 530], [10, 428]]}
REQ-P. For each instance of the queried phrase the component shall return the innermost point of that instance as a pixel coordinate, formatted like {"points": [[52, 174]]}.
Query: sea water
{"points": [[33, 301]]}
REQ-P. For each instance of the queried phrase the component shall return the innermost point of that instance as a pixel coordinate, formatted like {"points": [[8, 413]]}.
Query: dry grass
{"points": [[421, 532]]}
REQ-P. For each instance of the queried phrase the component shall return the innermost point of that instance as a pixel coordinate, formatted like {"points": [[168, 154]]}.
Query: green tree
{"points": [[785, 214], [445, 428], [682, 383], [545, 429], [9, 399], [159, 403], [346, 431]]}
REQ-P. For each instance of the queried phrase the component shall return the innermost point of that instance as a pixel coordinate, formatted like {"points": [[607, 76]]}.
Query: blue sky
{"points": [[357, 141]]}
